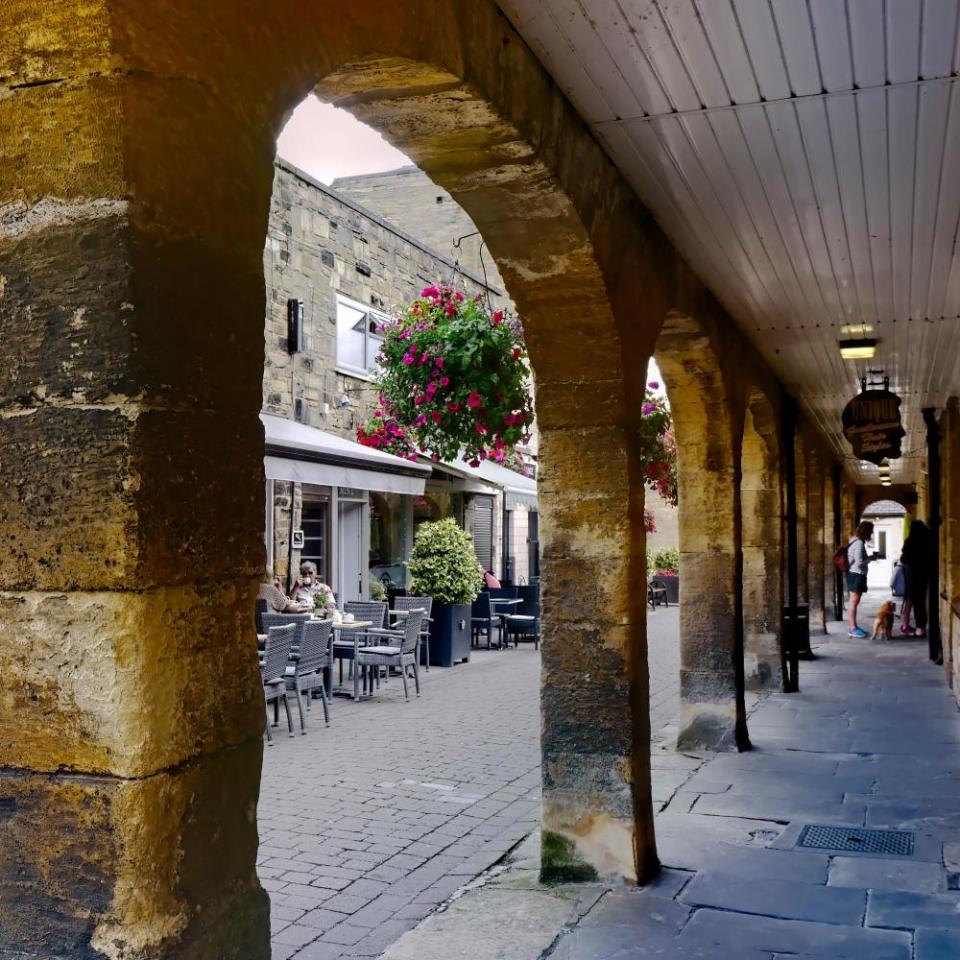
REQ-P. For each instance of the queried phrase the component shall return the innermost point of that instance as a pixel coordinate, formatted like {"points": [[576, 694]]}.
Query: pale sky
{"points": [[327, 143]]}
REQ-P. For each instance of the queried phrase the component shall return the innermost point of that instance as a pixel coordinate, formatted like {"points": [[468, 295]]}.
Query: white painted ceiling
{"points": [[804, 156]]}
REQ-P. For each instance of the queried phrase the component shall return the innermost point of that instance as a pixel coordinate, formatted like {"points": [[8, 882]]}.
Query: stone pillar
{"points": [[816, 544], [803, 527], [597, 811], [950, 538], [131, 708], [763, 548]]}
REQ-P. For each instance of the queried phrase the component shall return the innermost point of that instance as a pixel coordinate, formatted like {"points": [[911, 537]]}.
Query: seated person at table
{"points": [[309, 589], [278, 601], [490, 581]]}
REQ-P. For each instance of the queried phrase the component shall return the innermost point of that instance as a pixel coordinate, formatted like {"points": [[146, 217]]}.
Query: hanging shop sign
{"points": [[872, 425]]}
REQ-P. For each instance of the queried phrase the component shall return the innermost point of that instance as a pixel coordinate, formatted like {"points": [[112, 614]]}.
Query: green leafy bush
{"points": [[443, 564], [663, 561]]}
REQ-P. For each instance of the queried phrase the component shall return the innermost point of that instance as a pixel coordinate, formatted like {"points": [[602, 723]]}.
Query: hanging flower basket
{"points": [[658, 446], [453, 380]]}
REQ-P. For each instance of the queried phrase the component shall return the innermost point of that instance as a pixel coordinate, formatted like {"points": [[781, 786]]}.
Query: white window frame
{"points": [[349, 368]]}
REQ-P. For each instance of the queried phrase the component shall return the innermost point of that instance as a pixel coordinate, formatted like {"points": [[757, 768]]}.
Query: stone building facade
{"points": [[348, 267]]}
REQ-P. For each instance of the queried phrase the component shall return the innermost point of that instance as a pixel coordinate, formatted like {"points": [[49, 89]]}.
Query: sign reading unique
{"points": [[871, 422]]}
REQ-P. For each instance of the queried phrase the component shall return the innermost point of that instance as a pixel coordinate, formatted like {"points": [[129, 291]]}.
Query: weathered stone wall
{"points": [[410, 199]]}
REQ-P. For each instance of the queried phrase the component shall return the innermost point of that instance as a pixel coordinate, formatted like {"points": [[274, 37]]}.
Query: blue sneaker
{"points": [[858, 633]]}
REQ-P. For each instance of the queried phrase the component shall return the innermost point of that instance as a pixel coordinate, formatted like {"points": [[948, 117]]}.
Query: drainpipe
{"points": [[933, 483], [790, 645], [838, 611]]}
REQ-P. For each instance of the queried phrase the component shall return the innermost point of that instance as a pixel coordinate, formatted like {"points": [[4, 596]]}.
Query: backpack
{"points": [[841, 560]]}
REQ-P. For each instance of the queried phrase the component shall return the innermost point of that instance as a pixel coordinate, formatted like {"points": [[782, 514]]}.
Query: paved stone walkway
{"points": [[368, 825], [872, 741]]}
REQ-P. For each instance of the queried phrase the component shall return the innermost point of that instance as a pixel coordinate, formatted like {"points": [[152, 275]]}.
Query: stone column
{"points": [[763, 550], [597, 812], [816, 544], [950, 537], [131, 707], [803, 527]]}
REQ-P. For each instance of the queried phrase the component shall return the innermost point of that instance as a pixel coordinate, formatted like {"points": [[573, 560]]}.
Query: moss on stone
{"points": [[559, 862]]}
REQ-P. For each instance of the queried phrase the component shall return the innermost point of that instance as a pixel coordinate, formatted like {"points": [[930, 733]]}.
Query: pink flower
{"points": [[444, 381], [481, 428], [517, 353], [649, 408], [421, 420], [497, 317], [438, 362], [429, 292], [407, 359], [474, 400], [453, 407], [420, 399], [425, 357], [653, 385], [436, 416], [458, 295], [474, 462], [431, 388], [450, 309]]}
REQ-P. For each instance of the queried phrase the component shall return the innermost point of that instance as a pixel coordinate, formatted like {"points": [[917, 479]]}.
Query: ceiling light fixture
{"points": [[886, 482], [860, 348]]}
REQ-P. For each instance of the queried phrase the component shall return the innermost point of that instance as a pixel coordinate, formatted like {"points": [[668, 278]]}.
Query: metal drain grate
{"points": [[857, 839]]}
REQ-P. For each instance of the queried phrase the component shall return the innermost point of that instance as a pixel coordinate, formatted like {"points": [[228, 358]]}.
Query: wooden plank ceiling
{"points": [[804, 156]]}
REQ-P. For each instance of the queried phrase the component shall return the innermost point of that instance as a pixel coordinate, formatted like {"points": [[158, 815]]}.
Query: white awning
{"points": [[518, 490], [305, 454]]}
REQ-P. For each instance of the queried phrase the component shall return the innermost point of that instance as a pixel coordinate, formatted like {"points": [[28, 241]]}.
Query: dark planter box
{"points": [[673, 588], [449, 641]]}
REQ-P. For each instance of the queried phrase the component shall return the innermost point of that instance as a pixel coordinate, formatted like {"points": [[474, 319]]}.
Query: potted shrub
{"points": [[443, 566], [665, 565]]}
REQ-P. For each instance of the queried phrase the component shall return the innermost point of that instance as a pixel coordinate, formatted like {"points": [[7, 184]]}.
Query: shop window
{"points": [[358, 340]]}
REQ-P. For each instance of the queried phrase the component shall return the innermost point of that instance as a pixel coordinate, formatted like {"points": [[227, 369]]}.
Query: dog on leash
{"points": [[883, 625]]}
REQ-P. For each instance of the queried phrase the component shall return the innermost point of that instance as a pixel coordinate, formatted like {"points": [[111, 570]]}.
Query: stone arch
{"points": [[135, 544], [712, 712], [761, 503]]}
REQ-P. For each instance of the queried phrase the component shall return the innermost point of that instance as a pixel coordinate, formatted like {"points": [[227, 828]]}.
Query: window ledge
{"points": [[355, 374]]}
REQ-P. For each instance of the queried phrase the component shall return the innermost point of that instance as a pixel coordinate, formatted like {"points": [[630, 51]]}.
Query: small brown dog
{"points": [[883, 625]]}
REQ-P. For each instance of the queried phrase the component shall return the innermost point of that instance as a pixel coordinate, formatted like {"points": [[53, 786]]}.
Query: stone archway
{"points": [[762, 512], [712, 712], [131, 719]]}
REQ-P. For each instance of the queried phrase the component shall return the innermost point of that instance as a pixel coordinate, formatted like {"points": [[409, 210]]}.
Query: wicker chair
{"points": [[484, 620], [273, 671], [306, 671], [399, 648], [426, 605], [524, 625]]}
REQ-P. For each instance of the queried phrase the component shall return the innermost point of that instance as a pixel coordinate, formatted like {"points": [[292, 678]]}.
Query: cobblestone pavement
{"points": [[368, 825]]}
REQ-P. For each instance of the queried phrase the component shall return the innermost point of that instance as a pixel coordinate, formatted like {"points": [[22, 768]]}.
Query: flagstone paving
{"points": [[873, 740]]}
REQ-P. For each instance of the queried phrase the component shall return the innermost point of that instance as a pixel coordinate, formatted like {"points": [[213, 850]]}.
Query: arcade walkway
{"points": [[873, 741]]}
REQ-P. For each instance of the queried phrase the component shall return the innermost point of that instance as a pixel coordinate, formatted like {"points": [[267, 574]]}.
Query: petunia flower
{"points": [[474, 400]]}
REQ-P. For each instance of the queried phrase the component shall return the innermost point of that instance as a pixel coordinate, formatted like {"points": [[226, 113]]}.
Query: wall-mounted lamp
{"points": [[860, 348], [344, 402]]}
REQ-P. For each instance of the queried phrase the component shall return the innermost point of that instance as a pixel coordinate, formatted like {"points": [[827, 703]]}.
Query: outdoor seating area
{"points": [[358, 650]]}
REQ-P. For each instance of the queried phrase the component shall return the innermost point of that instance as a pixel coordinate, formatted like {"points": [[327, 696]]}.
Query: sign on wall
{"points": [[872, 425]]}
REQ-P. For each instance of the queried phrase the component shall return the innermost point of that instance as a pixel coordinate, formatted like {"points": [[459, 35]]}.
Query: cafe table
{"points": [[356, 627], [510, 603]]}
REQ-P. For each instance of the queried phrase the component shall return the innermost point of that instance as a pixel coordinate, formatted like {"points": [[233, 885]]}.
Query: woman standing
{"points": [[915, 561], [857, 563]]}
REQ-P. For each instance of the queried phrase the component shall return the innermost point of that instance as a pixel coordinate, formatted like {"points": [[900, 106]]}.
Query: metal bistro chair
{"points": [[484, 620], [373, 610], [273, 671], [305, 673], [524, 625], [657, 593], [402, 652], [426, 605], [297, 620]]}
